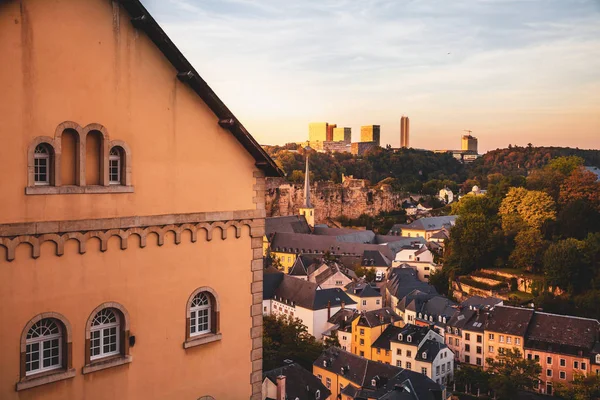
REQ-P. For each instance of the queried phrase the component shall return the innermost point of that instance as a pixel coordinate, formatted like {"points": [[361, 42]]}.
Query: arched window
{"points": [[202, 322], [200, 311], [42, 166], [115, 164], [104, 334], [44, 347]]}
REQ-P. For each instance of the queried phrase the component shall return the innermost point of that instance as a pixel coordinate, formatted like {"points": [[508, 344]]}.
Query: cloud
{"points": [[283, 64]]}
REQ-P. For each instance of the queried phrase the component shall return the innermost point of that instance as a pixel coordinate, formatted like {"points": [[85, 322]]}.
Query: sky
{"points": [[511, 71]]}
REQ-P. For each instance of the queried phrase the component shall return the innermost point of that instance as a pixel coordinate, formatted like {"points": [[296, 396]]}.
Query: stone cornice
{"points": [[59, 232]]}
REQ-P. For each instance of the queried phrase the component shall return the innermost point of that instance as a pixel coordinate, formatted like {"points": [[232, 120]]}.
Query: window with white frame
{"points": [[43, 347], [41, 164], [104, 334], [114, 166], [200, 315]]}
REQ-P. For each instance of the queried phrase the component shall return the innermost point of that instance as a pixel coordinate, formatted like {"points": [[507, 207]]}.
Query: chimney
{"points": [[381, 317], [281, 387], [343, 304], [328, 310]]}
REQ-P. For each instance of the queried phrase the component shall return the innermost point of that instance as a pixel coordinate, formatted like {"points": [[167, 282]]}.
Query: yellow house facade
{"points": [[368, 327]]}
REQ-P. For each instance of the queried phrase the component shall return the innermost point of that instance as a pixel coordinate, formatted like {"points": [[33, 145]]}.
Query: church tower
{"points": [[307, 209]]}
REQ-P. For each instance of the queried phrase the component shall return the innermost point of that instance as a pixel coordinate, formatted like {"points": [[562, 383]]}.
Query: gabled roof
{"points": [[357, 370], [429, 349], [343, 317], [299, 383], [289, 224], [374, 258], [391, 383], [362, 290], [511, 320], [383, 341], [271, 282], [142, 20], [298, 292], [402, 281], [374, 318]]}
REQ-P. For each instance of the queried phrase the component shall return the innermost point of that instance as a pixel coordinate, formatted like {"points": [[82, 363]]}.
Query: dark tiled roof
{"points": [[362, 290], [429, 349], [438, 306], [357, 370], [461, 317], [414, 301], [271, 282], [428, 223], [327, 231], [510, 320], [299, 383], [478, 302], [416, 333], [190, 77], [288, 224], [306, 294], [375, 258], [562, 334], [383, 341], [344, 317], [304, 243], [383, 316], [440, 235], [402, 281], [391, 383]]}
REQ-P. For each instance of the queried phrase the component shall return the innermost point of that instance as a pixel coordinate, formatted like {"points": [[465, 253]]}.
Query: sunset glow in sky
{"points": [[512, 71]]}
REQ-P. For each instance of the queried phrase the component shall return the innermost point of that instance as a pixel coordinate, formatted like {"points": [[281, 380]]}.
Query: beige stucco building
{"points": [[130, 198]]}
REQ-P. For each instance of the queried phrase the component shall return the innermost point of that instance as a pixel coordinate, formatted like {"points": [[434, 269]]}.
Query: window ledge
{"points": [[33, 190], [202, 339], [34, 381], [99, 365]]}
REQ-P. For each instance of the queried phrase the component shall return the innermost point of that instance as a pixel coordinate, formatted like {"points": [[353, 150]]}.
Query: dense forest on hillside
{"points": [[419, 171], [545, 225]]}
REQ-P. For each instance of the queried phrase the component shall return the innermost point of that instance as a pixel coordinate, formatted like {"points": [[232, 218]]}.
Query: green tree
{"points": [[286, 337], [522, 207], [510, 372], [581, 185], [565, 165], [296, 176], [440, 280], [370, 274], [580, 388], [565, 265], [529, 250], [470, 379], [472, 244]]}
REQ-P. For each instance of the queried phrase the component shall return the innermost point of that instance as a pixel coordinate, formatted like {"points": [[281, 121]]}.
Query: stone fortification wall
{"points": [[331, 200]]}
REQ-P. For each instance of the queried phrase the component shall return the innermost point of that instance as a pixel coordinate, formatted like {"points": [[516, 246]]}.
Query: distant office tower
{"points": [[342, 135], [469, 143], [370, 133], [330, 129], [317, 134], [404, 132]]}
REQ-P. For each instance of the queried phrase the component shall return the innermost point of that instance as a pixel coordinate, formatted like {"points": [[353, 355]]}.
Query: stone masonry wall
{"points": [[330, 200]]}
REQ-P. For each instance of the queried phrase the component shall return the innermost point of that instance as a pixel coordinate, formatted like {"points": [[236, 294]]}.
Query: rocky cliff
{"points": [[351, 198]]}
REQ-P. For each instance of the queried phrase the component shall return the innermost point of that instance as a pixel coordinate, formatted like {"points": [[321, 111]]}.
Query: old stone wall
{"points": [[331, 200]]}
